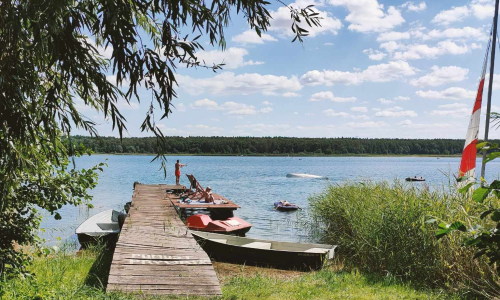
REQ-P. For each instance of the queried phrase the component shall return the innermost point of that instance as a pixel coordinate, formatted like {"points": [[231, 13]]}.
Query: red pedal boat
{"points": [[233, 225]]}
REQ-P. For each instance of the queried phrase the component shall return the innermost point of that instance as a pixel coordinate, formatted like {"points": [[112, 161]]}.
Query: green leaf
{"points": [[466, 188], [57, 216], [480, 194], [491, 156]]}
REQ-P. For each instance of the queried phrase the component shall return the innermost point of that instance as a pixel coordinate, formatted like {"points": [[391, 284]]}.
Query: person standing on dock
{"points": [[178, 167]]}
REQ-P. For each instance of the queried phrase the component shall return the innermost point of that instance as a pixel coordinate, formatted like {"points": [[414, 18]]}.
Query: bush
{"points": [[382, 228]]}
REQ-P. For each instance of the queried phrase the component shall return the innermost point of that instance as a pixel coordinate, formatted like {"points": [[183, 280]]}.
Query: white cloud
{"points": [[474, 46], [205, 103], [396, 112], [105, 52], [393, 36], [180, 107], [457, 33], [483, 11], [377, 73], [328, 44], [281, 21], [240, 109], [440, 76], [244, 84], [419, 51], [455, 14], [391, 46], [374, 54], [251, 37], [402, 98], [230, 107], [359, 109], [205, 128], [263, 127], [232, 58], [266, 102], [457, 113], [333, 113], [409, 124], [366, 125], [290, 95], [369, 15], [453, 93], [453, 105], [413, 7], [329, 96], [385, 101], [266, 110]]}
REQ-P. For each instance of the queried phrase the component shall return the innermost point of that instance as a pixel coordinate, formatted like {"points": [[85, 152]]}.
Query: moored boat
{"points": [[301, 175], [232, 225], [286, 255], [415, 179], [102, 226]]}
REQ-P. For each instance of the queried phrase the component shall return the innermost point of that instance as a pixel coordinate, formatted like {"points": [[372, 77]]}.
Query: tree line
{"points": [[272, 146]]}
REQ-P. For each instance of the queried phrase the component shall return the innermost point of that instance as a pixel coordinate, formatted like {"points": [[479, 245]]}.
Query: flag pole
{"points": [[490, 87]]}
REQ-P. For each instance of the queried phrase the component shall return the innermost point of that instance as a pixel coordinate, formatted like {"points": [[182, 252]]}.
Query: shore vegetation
{"points": [[389, 229], [64, 275]]}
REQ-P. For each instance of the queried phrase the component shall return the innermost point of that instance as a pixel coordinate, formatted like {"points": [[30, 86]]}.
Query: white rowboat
{"points": [[100, 225]]}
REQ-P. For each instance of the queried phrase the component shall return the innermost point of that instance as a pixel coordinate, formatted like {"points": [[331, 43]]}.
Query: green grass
{"points": [[66, 276], [382, 228]]}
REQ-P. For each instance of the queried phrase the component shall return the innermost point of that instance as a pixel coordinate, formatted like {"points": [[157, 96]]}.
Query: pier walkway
{"points": [[155, 254]]}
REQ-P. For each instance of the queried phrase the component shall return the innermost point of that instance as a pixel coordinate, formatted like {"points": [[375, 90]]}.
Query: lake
{"points": [[254, 183]]}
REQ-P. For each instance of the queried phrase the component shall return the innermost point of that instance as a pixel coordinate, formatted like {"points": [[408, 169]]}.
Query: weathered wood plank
{"points": [[155, 254]]}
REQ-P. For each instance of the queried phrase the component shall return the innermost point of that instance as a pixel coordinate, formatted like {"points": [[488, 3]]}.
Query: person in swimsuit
{"points": [[178, 167], [207, 195]]}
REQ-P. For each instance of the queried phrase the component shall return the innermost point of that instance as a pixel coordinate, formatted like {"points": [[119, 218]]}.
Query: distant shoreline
{"points": [[294, 156]]}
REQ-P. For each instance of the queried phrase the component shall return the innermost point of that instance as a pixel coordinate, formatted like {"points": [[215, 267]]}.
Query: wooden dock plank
{"points": [[155, 253]]}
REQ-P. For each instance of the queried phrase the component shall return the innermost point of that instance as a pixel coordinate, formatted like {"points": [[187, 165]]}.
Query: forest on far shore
{"points": [[273, 146]]}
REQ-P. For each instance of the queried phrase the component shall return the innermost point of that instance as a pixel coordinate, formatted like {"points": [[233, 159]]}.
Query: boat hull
{"points": [[232, 225], [261, 257], [87, 240], [414, 179]]}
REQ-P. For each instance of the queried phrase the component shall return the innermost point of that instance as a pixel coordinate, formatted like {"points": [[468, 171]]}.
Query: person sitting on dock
{"points": [[207, 195], [178, 167]]}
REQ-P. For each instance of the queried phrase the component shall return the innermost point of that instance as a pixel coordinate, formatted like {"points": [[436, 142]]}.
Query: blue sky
{"points": [[377, 69]]}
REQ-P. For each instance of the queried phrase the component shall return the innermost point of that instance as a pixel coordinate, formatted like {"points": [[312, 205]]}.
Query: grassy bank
{"points": [[66, 276], [388, 229]]}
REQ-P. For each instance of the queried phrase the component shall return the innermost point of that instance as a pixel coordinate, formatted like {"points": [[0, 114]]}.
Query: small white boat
{"points": [[104, 224], [300, 175]]}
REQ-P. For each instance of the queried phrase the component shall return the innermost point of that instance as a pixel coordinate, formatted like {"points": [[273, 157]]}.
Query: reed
{"points": [[383, 228]]}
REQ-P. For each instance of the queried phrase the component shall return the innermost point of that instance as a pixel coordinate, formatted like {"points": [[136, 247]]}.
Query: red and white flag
{"points": [[468, 163]]}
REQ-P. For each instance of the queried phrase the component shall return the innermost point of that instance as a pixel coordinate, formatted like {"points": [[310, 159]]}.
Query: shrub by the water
{"points": [[388, 228]]}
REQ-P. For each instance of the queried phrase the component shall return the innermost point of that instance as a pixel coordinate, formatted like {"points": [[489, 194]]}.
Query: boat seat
{"points": [[223, 241], [109, 226], [258, 245]]}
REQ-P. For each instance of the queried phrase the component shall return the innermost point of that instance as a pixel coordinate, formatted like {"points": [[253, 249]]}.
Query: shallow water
{"points": [[254, 183]]}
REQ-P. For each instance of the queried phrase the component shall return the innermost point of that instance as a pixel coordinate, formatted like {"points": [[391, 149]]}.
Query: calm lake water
{"points": [[254, 183]]}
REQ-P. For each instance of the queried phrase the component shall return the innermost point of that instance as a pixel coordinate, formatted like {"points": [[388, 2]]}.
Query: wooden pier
{"points": [[155, 254]]}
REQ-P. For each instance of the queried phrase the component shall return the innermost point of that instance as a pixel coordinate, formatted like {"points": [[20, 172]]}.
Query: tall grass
{"points": [[382, 228]]}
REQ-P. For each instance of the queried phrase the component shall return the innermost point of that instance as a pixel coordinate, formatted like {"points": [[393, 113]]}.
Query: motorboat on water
{"points": [[285, 255], [102, 226], [232, 225], [301, 175], [415, 179]]}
